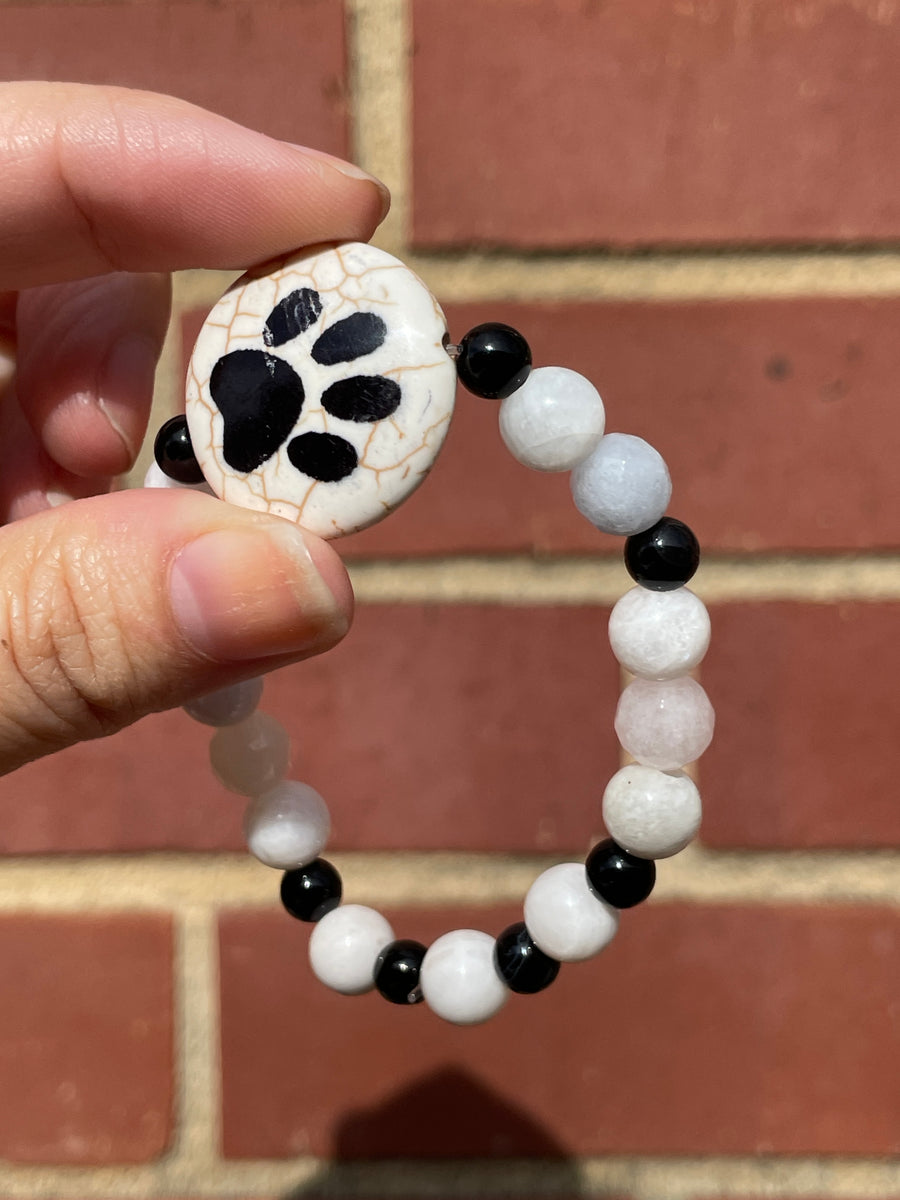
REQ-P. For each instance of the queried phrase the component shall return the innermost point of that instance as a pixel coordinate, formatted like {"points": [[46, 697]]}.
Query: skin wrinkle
{"points": [[56, 636], [56, 653], [86, 588], [39, 720], [84, 211], [72, 652]]}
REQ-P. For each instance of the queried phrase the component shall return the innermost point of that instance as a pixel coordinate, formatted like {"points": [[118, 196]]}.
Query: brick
{"points": [[637, 122], [275, 65], [430, 727], [702, 1030], [772, 414], [86, 1050], [807, 754]]}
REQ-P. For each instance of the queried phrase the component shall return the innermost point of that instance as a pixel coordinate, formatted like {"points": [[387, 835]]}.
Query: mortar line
{"points": [[163, 882], [602, 277], [379, 52], [195, 1148], [518, 580], [669, 275], [643, 1178]]}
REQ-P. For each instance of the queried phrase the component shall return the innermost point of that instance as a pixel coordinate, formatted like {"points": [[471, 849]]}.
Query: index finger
{"points": [[98, 179]]}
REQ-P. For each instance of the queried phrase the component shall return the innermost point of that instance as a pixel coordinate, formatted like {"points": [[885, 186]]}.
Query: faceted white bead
{"points": [[623, 487], [459, 980], [553, 421], [564, 917], [157, 478], [287, 826], [227, 706], [251, 757], [659, 635], [649, 813], [665, 723], [345, 945]]}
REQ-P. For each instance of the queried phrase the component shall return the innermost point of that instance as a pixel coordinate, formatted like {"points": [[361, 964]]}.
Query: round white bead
{"points": [[664, 723], [251, 757], [623, 487], [659, 635], [564, 917], [227, 706], [649, 813], [157, 478], [459, 980], [345, 945], [553, 421], [287, 826]]}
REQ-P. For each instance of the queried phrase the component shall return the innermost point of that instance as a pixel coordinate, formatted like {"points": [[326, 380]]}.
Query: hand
{"points": [[114, 606]]}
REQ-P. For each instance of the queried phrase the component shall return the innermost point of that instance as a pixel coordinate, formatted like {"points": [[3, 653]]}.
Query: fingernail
{"points": [[352, 171], [257, 591], [126, 379]]}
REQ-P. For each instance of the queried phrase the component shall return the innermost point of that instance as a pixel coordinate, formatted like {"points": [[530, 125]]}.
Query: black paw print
{"points": [[260, 396]]}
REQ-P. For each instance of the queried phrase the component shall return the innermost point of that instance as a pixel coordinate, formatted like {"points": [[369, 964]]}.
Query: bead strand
{"points": [[551, 419]]}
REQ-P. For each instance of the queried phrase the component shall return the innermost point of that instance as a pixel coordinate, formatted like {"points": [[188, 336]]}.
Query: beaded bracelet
{"points": [[320, 389]]}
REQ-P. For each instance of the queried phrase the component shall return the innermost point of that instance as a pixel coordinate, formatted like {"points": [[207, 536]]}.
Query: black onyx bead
{"points": [[397, 972], [174, 453], [521, 965], [493, 361], [663, 557], [309, 892], [619, 878]]}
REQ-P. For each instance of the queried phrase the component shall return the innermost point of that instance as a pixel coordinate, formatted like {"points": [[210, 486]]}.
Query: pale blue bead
{"points": [[623, 487], [252, 757], [229, 705]]}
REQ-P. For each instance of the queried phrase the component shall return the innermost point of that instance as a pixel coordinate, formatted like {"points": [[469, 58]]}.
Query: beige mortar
{"points": [[185, 882]]}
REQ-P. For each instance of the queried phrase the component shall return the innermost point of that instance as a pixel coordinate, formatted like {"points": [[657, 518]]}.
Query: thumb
{"points": [[116, 606]]}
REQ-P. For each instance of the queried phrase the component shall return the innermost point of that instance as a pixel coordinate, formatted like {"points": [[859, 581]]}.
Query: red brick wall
{"points": [[696, 203]]}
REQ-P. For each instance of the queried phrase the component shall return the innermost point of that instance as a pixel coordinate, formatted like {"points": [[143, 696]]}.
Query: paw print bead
{"points": [[320, 388]]}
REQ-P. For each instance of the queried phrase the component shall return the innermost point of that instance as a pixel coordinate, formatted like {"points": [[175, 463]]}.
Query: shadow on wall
{"points": [[449, 1114]]}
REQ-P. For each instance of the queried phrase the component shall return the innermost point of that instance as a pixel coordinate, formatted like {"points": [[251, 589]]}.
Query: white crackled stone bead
{"points": [[553, 421], [345, 945], [459, 980], [287, 826], [651, 813], [564, 917], [157, 478], [320, 388], [623, 487], [227, 706], [251, 757], [659, 635], [664, 723]]}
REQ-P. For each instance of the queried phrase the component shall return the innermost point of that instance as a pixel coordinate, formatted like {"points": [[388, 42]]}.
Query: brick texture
{"points": [[719, 1030], [86, 1048], [807, 753], [764, 410], [636, 122], [276, 65], [456, 727]]}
